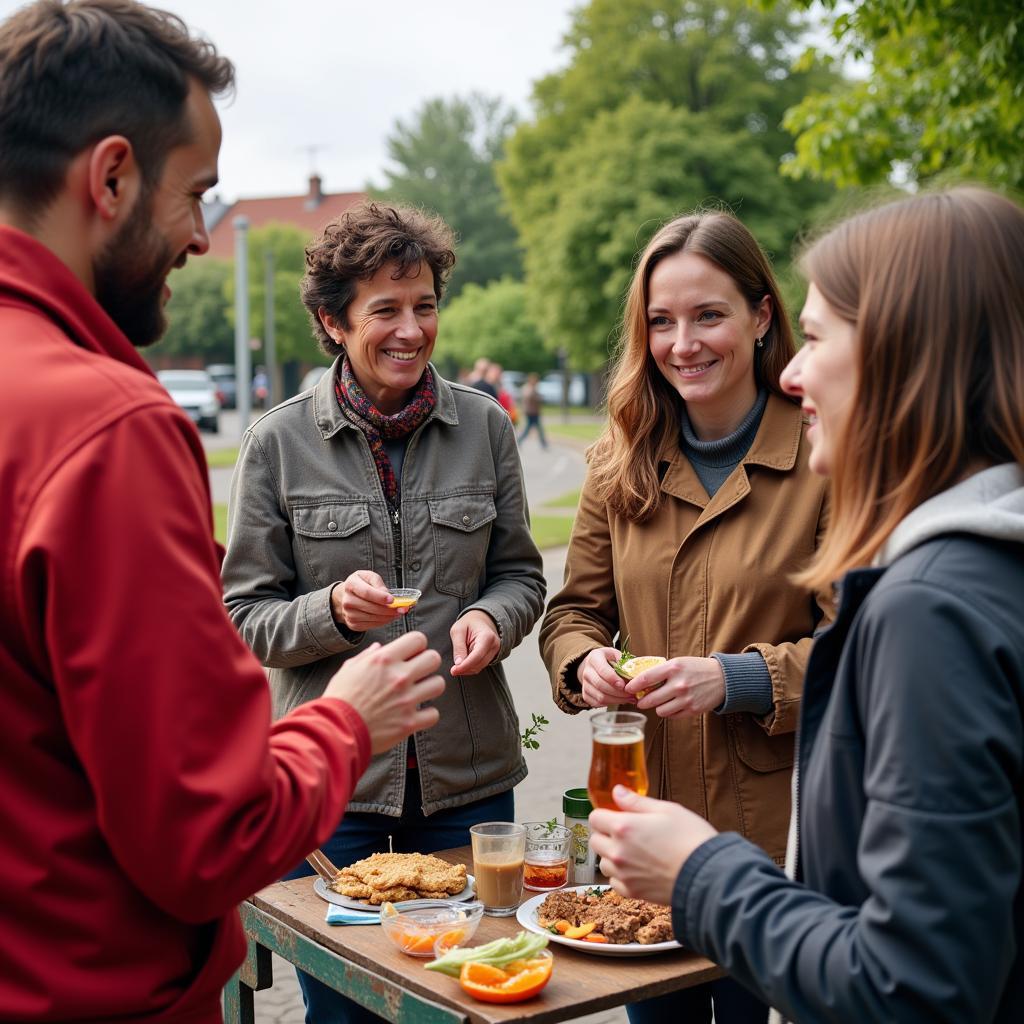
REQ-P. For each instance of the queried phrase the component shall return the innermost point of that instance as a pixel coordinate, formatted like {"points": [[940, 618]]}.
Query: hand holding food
{"points": [[644, 846], [387, 685], [629, 667], [600, 684], [679, 687], [363, 602]]}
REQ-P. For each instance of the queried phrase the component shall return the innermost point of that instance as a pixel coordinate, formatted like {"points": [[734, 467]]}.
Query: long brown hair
{"points": [[934, 286], [643, 410]]}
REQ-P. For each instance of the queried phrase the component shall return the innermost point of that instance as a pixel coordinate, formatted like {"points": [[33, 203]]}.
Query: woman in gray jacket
{"points": [[386, 476], [907, 846]]}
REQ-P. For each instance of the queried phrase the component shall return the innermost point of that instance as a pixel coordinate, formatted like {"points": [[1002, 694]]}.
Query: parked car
{"points": [[196, 392], [550, 388], [312, 377], [223, 375]]}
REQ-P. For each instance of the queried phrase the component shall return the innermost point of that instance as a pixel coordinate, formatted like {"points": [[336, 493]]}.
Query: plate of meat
{"points": [[596, 919], [394, 878]]}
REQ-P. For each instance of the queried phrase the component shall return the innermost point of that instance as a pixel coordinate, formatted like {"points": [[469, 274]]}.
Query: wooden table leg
{"points": [[378, 994]]}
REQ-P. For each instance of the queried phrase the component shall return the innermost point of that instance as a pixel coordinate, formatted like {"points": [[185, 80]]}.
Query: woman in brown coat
{"points": [[697, 509]]}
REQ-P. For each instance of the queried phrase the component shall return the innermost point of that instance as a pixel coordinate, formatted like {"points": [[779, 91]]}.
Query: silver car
{"points": [[196, 392]]}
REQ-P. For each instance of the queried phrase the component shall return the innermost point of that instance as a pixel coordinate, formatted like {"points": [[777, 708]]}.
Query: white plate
{"points": [[526, 915], [320, 888]]}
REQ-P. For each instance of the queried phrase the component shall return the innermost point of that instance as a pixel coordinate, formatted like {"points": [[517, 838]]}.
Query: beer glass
{"points": [[617, 757]]}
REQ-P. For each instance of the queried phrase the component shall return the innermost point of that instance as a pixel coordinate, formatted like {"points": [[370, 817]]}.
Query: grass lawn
{"points": [[571, 499], [220, 522], [587, 432], [223, 458], [551, 531]]}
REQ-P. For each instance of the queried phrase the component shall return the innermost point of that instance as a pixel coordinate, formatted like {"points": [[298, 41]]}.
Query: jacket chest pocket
{"points": [[334, 540], [461, 527]]}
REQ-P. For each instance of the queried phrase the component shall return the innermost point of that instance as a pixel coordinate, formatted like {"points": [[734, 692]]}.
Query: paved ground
{"points": [[563, 757]]}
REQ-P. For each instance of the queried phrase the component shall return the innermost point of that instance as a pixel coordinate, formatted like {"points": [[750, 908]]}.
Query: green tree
{"points": [[444, 162], [944, 96], [664, 105], [491, 321], [628, 171], [198, 320], [292, 334], [724, 58]]}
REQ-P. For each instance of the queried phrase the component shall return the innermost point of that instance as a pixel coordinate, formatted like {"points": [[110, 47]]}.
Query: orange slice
{"points": [[523, 980]]}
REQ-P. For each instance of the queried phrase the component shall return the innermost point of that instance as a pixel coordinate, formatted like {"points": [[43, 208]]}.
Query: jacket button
{"points": [[415, 566], [466, 520], [332, 525]]}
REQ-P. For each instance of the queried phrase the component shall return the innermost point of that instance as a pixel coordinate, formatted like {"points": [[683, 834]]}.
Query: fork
{"points": [[322, 865]]}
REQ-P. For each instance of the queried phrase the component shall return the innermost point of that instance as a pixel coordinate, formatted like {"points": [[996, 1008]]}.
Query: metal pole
{"points": [[268, 329], [243, 371]]}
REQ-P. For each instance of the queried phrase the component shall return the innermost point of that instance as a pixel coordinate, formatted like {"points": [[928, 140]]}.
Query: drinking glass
{"points": [[617, 756], [499, 848], [547, 856]]}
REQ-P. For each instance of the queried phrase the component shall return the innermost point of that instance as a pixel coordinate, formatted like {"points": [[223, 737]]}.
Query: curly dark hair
{"points": [[355, 245]]}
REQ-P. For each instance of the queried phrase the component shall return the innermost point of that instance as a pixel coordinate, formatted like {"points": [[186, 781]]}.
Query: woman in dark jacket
{"points": [[909, 799]]}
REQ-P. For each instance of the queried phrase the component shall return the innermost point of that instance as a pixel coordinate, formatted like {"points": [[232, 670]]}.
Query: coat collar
{"points": [[330, 419], [775, 446], [31, 275]]}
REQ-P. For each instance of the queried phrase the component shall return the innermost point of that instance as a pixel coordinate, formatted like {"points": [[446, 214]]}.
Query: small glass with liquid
{"points": [[617, 756], [548, 849]]}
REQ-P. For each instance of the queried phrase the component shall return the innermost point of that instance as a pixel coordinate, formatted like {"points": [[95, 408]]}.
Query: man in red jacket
{"points": [[143, 790]]}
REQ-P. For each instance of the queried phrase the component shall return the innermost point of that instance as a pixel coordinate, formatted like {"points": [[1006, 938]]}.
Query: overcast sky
{"points": [[337, 73]]}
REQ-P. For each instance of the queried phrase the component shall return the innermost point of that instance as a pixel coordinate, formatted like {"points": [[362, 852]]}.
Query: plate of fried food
{"points": [[396, 878], [596, 919]]}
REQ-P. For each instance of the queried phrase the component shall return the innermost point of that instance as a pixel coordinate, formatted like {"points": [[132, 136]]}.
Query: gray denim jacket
{"points": [[307, 510]]}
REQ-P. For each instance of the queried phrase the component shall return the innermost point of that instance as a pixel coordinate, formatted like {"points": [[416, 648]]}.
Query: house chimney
{"points": [[316, 194]]}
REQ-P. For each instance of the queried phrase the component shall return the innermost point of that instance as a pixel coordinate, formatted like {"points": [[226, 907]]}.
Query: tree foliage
{"points": [[444, 162], [293, 337], [197, 314], [664, 105], [944, 96], [630, 170], [491, 321]]}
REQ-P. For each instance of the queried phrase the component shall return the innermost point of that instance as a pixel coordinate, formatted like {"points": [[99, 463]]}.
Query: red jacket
{"points": [[143, 790]]}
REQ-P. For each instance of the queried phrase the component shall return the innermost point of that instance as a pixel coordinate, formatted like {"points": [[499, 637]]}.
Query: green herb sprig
{"points": [[536, 726]]}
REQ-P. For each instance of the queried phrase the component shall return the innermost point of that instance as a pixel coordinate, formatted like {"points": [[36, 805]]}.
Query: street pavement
{"points": [[563, 758]]}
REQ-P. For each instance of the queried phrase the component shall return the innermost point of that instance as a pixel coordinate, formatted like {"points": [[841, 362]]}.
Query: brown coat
{"points": [[703, 576]]}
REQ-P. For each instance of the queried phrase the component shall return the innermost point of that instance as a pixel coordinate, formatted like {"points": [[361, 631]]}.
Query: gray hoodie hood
{"points": [[987, 504]]}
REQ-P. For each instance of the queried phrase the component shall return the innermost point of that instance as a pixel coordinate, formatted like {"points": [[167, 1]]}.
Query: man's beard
{"points": [[129, 276]]}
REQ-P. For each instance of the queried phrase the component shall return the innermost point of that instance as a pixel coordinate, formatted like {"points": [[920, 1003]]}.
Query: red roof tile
{"points": [[305, 212]]}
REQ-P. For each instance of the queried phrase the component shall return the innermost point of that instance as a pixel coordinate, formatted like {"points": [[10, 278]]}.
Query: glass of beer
{"points": [[617, 757]]}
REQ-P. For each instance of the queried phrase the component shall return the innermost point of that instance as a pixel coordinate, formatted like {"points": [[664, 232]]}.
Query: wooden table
{"points": [[360, 961]]}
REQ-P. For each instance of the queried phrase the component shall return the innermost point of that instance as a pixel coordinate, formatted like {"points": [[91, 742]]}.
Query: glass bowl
{"points": [[415, 926], [404, 597]]}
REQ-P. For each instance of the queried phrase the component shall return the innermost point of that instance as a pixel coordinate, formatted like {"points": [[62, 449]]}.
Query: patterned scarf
{"points": [[377, 427]]}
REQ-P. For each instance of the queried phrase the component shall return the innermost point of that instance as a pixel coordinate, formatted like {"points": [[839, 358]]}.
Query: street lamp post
{"points": [[243, 369]]}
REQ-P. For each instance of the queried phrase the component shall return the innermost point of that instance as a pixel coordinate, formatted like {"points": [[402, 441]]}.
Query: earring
{"points": [[759, 342]]}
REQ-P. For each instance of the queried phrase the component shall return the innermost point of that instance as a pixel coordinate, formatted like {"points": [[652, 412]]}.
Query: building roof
{"points": [[309, 213]]}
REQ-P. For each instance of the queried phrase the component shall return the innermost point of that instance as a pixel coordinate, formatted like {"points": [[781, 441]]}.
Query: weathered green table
{"points": [[288, 919]]}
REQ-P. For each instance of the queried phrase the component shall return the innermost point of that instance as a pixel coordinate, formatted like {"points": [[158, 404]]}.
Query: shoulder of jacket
{"points": [[291, 410]]}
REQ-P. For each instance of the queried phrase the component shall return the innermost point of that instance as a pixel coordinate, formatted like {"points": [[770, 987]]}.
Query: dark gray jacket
{"points": [[307, 510], [910, 796]]}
